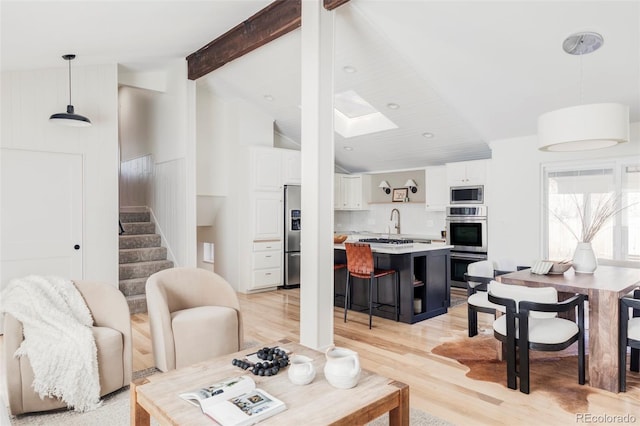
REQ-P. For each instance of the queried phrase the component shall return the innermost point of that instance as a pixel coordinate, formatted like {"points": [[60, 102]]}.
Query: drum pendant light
{"points": [[585, 126], [70, 118]]}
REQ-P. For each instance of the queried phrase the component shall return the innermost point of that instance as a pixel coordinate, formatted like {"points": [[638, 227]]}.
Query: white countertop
{"points": [[414, 248], [354, 236]]}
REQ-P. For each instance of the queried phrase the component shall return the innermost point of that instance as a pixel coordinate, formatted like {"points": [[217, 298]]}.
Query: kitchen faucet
{"points": [[397, 225]]}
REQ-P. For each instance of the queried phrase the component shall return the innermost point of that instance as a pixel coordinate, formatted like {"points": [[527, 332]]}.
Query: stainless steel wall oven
{"points": [[459, 264], [467, 228], [467, 233]]}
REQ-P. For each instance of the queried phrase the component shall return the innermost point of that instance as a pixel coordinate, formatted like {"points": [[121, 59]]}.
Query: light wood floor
{"points": [[401, 351]]}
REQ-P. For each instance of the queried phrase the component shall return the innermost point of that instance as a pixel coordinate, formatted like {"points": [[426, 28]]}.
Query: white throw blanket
{"points": [[57, 338]]}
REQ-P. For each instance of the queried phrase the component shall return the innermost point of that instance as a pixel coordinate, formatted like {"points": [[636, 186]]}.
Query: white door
{"points": [[41, 214]]}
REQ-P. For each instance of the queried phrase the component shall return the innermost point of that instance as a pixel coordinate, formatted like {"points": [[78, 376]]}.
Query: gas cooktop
{"points": [[389, 241]]}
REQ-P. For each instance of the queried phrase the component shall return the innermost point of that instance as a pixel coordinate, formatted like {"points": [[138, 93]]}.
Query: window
{"points": [[577, 191]]}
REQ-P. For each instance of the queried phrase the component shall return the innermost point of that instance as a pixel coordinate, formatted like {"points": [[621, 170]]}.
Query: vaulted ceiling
{"points": [[466, 72]]}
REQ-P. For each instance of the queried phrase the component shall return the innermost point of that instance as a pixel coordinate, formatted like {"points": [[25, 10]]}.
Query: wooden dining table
{"points": [[604, 289]]}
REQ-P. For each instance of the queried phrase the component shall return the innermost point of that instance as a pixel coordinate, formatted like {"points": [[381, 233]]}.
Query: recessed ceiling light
{"points": [[391, 105], [268, 98], [349, 69], [347, 148], [427, 135]]}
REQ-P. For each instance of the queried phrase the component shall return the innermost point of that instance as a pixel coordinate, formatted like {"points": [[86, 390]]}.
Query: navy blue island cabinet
{"points": [[424, 273]]}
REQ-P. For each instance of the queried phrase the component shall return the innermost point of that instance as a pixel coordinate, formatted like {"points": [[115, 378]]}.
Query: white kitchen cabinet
{"points": [[466, 173], [352, 192], [436, 188], [349, 192], [260, 253], [291, 173], [266, 278], [337, 191], [267, 215], [267, 265], [266, 169]]}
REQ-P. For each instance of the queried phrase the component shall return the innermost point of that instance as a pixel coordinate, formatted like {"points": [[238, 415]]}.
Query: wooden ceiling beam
{"points": [[332, 4], [275, 20]]}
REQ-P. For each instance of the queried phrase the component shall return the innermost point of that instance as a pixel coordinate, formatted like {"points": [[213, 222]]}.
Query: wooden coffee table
{"points": [[316, 403]]}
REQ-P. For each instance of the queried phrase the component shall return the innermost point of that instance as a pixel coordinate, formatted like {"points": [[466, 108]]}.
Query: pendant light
{"points": [[583, 127], [70, 118]]}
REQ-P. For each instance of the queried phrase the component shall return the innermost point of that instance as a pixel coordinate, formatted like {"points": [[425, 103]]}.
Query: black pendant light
{"points": [[70, 118]]}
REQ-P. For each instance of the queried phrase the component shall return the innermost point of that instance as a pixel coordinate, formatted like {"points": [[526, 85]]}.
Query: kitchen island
{"points": [[424, 274]]}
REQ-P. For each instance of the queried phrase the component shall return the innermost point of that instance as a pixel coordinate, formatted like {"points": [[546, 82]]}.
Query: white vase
{"points": [[584, 260]]}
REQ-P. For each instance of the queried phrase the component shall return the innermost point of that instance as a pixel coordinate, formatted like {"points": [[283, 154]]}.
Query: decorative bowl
{"points": [[339, 238], [560, 267]]}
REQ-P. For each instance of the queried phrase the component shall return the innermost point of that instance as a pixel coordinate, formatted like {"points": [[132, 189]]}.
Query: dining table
{"points": [[603, 288]]}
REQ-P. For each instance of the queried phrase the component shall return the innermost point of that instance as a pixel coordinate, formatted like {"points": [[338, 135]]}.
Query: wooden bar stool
{"points": [[360, 265]]}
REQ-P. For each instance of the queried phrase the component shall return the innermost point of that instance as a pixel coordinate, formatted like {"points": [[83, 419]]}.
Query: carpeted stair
{"points": [[140, 256]]}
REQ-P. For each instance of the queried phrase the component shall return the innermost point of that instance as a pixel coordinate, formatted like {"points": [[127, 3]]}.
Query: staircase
{"points": [[140, 256]]}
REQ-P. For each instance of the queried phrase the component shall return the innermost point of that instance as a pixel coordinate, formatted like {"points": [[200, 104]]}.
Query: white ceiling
{"points": [[468, 72]]}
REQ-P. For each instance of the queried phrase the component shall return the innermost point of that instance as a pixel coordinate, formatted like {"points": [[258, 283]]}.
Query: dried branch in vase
{"points": [[593, 219]]}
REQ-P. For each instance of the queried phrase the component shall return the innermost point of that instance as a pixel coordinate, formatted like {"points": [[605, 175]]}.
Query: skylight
{"points": [[355, 117]]}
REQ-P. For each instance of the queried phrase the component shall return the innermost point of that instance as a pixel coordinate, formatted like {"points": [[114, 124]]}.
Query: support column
{"points": [[316, 288]]}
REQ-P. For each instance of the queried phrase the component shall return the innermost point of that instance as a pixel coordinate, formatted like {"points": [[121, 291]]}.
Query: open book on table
{"points": [[235, 402]]}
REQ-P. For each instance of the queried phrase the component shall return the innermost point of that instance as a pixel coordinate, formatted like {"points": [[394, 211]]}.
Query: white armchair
{"points": [[112, 333], [194, 315]]}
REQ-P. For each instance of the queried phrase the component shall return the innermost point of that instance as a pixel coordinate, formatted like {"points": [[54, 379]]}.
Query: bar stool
{"points": [[337, 267], [360, 265]]}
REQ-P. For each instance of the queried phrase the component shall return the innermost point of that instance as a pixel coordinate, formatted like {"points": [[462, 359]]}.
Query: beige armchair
{"points": [[112, 333], [194, 315]]}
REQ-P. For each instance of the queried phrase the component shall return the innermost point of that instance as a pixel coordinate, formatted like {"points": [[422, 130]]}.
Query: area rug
{"points": [[113, 412], [552, 372]]}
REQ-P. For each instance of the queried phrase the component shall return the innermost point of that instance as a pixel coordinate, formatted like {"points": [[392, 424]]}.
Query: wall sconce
{"points": [[385, 187], [412, 185]]}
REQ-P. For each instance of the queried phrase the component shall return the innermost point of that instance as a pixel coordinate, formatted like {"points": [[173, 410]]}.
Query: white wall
{"points": [[216, 138], [28, 99], [155, 122], [253, 126], [136, 182], [174, 197], [414, 220], [514, 176], [281, 141], [135, 122], [224, 127]]}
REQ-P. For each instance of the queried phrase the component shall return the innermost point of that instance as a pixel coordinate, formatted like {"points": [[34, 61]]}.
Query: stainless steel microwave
{"points": [[467, 194]]}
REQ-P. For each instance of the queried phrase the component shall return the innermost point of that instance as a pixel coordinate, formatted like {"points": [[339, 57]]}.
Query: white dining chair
{"points": [[629, 336], [531, 323], [478, 275]]}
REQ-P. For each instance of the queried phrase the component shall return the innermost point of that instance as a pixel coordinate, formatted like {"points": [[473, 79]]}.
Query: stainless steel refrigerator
{"points": [[291, 236]]}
